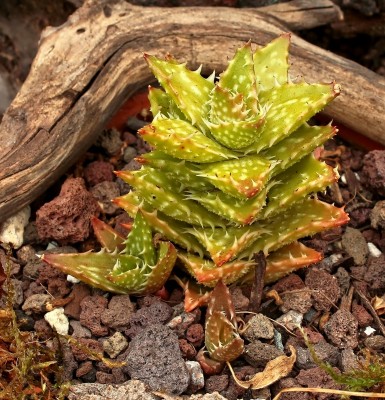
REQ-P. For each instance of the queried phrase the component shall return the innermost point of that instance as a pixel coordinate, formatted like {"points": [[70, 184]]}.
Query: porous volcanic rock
{"points": [[154, 357], [66, 218]]}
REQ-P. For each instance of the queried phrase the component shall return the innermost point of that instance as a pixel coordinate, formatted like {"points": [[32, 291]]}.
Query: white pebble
{"points": [[343, 179], [369, 331], [58, 320], [374, 250], [72, 279], [12, 229]]}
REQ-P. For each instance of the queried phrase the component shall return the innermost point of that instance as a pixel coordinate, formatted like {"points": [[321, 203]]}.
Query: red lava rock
{"points": [[92, 345], [325, 289], [240, 301], [312, 336], [187, 349], [317, 377], [362, 316], [43, 329], [373, 171], [79, 292], [342, 329], [359, 217], [291, 383], [195, 334], [234, 391], [118, 313], [288, 283], [375, 273], [54, 280], [66, 218], [104, 377], [84, 369], [296, 300], [216, 383], [98, 172], [157, 313], [92, 308]]}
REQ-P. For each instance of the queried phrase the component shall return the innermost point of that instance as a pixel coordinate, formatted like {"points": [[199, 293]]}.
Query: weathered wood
{"points": [[86, 68]]}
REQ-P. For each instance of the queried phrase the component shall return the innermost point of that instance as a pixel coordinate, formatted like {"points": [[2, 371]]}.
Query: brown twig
{"points": [[258, 283]]}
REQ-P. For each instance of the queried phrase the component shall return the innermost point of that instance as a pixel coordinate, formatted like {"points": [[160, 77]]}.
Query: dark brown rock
{"points": [[187, 349], [258, 354], [325, 289], [317, 377], [84, 369], [288, 283], [92, 308], [118, 313], [157, 313], [342, 329], [104, 193], [195, 334], [54, 280], [375, 273], [78, 293], [85, 348], [97, 172], [373, 171], [216, 383], [291, 383], [361, 315], [355, 245], [155, 359], [66, 218]]}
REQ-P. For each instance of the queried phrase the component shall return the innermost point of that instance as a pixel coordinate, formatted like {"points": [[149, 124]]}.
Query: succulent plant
{"points": [[222, 340], [128, 266], [232, 171]]}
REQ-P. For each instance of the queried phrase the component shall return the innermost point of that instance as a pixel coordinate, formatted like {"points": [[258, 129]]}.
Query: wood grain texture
{"points": [[86, 68]]}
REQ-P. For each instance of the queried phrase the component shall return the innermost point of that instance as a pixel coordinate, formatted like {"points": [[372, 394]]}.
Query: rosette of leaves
{"points": [[232, 171], [134, 265]]}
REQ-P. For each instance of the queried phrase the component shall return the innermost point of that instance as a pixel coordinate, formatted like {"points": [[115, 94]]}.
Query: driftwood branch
{"points": [[86, 68]]}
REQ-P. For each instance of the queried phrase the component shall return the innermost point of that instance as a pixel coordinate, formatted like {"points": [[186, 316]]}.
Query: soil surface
{"points": [[339, 302]]}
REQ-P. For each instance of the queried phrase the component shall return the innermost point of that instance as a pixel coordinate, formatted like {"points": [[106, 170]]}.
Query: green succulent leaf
{"points": [[162, 103], [300, 143], [208, 273], [139, 240], [241, 212], [284, 261], [162, 194], [302, 219], [182, 140], [188, 89], [239, 77], [224, 244], [242, 178], [170, 228], [307, 176], [178, 170], [289, 106], [92, 268], [271, 63]]}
